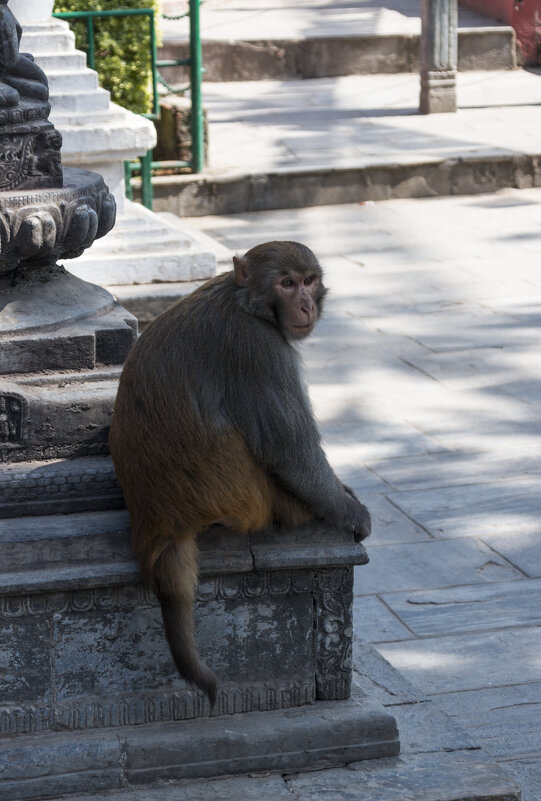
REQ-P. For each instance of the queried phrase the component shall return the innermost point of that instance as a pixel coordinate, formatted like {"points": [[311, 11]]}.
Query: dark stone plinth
{"points": [[277, 631], [84, 649]]}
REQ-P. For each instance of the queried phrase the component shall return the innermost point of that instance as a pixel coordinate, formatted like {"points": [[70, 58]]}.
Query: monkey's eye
{"points": [[309, 280], [287, 282]]}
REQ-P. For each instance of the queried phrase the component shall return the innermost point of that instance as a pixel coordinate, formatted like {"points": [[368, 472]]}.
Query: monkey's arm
{"points": [[274, 416]]}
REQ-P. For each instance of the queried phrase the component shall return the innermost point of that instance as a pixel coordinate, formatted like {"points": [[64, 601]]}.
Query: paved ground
{"points": [[425, 373], [256, 19], [426, 378], [367, 120]]}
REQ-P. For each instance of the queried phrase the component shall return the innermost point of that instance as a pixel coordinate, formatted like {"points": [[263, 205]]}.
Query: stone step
{"points": [[330, 185], [155, 265], [147, 301], [462, 776], [57, 62], [47, 38], [56, 486], [39, 767], [72, 81], [490, 48], [90, 101]]}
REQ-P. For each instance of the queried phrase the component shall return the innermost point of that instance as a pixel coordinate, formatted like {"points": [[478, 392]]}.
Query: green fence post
{"points": [[147, 195], [196, 69], [90, 42]]}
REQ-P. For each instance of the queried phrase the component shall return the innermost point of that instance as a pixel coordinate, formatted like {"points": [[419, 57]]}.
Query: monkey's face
{"points": [[297, 305]]}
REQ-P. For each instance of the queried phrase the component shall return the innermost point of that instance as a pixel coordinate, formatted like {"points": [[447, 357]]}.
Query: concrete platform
{"points": [[358, 138], [425, 377]]}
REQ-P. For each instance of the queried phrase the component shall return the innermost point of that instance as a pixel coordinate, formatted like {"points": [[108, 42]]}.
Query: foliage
{"points": [[121, 47]]}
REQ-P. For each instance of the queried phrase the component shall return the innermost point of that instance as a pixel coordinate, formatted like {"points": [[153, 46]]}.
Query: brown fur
{"points": [[211, 423]]}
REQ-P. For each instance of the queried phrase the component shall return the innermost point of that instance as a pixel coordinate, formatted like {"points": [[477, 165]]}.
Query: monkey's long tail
{"points": [[175, 576]]}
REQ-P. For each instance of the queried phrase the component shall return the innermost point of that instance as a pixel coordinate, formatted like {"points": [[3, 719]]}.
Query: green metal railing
{"points": [[194, 62]]}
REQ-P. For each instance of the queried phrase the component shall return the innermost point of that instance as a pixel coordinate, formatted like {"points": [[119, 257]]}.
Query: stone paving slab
{"points": [[504, 721], [468, 608], [446, 777], [250, 19], [455, 460], [431, 564], [389, 525], [375, 623], [527, 773], [444, 469], [470, 661], [501, 508]]}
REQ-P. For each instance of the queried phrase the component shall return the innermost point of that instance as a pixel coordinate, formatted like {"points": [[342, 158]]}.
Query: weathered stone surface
{"points": [[319, 545], [293, 739], [434, 470], [470, 608], [504, 721], [501, 508], [73, 578], [431, 564], [33, 768], [469, 661], [173, 128], [427, 777], [59, 540], [378, 680], [25, 671], [294, 187], [252, 788], [521, 547], [375, 623], [325, 56]]}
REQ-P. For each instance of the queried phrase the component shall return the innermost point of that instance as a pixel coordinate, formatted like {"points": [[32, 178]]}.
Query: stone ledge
{"points": [[55, 553], [331, 56], [294, 187], [284, 740]]}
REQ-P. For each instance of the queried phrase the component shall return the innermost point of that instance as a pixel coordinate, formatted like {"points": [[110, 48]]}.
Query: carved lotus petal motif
{"points": [[38, 226], [36, 234]]}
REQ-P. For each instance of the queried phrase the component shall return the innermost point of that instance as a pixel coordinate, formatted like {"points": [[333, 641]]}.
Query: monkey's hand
{"points": [[357, 516]]}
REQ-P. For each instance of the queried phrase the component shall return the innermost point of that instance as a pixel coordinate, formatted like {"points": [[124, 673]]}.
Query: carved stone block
{"points": [[277, 638]]}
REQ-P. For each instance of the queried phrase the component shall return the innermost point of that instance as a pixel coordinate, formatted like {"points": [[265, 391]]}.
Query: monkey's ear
{"points": [[241, 271]]}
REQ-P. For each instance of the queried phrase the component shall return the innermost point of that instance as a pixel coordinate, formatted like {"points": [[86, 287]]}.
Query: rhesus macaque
{"points": [[212, 424]]}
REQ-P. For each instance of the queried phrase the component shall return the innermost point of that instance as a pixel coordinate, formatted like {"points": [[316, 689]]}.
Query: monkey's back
{"points": [[183, 398]]}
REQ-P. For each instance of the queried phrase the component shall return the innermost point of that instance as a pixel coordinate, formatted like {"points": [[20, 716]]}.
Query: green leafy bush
{"points": [[121, 49]]}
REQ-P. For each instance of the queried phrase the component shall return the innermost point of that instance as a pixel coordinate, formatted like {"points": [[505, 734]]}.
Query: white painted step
{"points": [[58, 62], [70, 80], [96, 100]]}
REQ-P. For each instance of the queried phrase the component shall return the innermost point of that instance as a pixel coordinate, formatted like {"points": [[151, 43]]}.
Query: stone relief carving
{"points": [[330, 588], [29, 143], [11, 420], [334, 633], [53, 224]]}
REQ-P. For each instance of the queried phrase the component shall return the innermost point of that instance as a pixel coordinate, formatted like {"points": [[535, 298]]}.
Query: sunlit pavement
{"points": [[425, 375]]}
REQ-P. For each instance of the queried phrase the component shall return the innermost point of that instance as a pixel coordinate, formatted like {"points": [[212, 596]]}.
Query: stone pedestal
{"points": [[85, 652], [144, 247], [438, 56]]}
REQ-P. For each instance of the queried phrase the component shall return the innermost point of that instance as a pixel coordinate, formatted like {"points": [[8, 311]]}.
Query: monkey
{"points": [[212, 424]]}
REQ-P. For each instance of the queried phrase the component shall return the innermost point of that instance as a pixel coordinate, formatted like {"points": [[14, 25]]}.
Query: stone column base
{"points": [[438, 92]]}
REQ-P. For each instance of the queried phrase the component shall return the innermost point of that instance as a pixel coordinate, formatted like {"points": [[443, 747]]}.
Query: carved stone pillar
{"points": [[438, 56]]}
